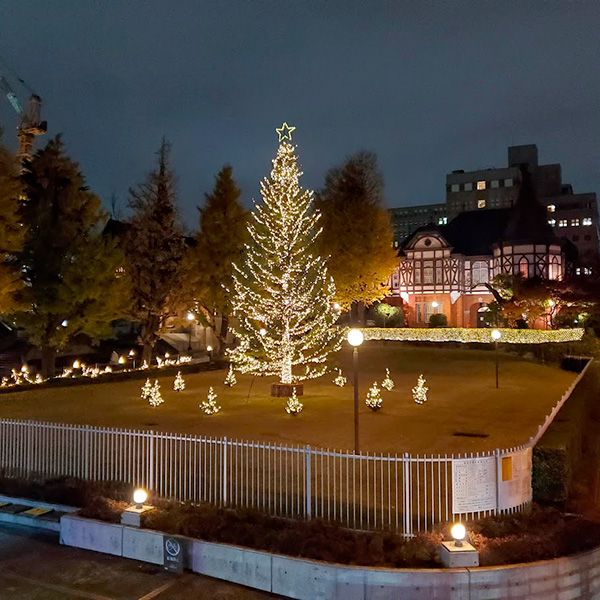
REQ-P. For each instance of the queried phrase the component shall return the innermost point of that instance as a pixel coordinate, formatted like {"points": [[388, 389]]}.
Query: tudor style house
{"points": [[443, 268]]}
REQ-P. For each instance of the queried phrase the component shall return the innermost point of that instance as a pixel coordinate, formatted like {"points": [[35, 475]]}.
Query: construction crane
{"points": [[30, 124]]}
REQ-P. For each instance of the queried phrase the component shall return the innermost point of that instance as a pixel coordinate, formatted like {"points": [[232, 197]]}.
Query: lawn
{"points": [[462, 399]]}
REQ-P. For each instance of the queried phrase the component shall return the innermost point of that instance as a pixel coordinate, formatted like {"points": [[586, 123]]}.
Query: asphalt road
{"points": [[33, 566]]}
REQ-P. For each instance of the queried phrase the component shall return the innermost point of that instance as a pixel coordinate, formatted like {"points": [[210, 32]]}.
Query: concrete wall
{"points": [[575, 577]]}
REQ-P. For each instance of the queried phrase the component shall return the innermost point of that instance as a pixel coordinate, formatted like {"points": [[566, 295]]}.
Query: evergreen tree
{"points": [[70, 270], [357, 234], [283, 297], [154, 246], [220, 245], [11, 233]]}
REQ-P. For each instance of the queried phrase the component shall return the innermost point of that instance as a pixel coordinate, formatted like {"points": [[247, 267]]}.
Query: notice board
{"points": [[474, 483]]}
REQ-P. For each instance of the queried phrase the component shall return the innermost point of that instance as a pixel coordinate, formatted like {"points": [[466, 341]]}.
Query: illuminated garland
{"points": [[230, 380], [374, 400], [210, 406], [340, 380], [293, 406], [388, 382], [179, 383], [419, 392], [155, 397], [283, 294], [479, 335]]}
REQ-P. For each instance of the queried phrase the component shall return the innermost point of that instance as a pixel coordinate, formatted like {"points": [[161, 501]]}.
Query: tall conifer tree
{"points": [[70, 269], [283, 297], [154, 246]]}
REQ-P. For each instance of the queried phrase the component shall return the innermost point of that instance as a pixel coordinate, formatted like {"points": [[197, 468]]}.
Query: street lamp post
{"points": [[496, 335], [190, 318], [355, 339]]}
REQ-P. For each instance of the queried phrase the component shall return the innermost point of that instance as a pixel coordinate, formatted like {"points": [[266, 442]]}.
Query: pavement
{"points": [[33, 566]]}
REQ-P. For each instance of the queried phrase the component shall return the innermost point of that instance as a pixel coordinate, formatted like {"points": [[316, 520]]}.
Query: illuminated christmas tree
{"points": [[293, 406], [155, 397], [374, 400], [230, 380], [420, 391], [146, 390], [340, 380], [283, 296], [388, 382], [179, 383], [210, 407]]}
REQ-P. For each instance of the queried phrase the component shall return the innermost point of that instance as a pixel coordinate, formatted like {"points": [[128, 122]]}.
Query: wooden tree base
{"points": [[285, 390]]}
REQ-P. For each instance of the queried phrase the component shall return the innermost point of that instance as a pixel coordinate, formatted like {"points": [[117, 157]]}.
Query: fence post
{"points": [[407, 517], [308, 487], [224, 478], [151, 485]]}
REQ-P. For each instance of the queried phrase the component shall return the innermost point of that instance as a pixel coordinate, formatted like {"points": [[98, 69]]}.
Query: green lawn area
{"points": [[462, 398]]}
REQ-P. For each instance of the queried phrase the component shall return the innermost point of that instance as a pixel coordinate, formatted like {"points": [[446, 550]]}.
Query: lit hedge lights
{"points": [[470, 336]]}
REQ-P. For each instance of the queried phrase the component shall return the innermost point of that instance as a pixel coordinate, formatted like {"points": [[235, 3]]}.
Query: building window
{"points": [[439, 273], [468, 187], [574, 222], [479, 272], [480, 203], [551, 207], [455, 187], [418, 311], [554, 270], [562, 223], [481, 185], [443, 221], [418, 274], [428, 273], [495, 183], [524, 267], [587, 221], [508, 183], [552, 222]]}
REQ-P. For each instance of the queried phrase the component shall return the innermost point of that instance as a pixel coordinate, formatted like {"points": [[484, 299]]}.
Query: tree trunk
{"points": [[360, 314], [147, 353], [222, 335], [48, 361]]}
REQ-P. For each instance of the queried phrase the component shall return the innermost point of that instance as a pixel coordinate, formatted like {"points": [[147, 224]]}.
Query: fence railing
{"points": [[403, 493]]}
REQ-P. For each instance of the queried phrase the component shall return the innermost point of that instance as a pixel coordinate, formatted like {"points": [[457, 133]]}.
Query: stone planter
{"points": [[285, 390]]}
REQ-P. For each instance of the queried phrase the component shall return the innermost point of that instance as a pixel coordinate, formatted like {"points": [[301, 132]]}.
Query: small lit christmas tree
{"points": [[210, 407], [146, 390], [293, 406], [230, 380], [388, 382], [374, 399], [420, 391], [179, 383], [155, 397], [340, 380]]}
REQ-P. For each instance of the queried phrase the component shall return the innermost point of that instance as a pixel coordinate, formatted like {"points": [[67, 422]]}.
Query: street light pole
{"points": [[496, 335], [355, 339]]}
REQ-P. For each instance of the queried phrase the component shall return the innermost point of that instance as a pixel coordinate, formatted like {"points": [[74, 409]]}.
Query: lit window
{"points": [[418, 275], [551, 207], [481, 203], [468, 187], [495, 183], [587, 221], [443, 221], [562, 223], [455, 187], [428, 273], [439, 273], [508, 183], [574, 222], [524, 267], [481, 185], [552, 222], [479, 272], [577, 271]]}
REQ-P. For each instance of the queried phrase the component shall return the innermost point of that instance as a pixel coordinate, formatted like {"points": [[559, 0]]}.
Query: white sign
{"points": [[473, 484], [514, 479]]}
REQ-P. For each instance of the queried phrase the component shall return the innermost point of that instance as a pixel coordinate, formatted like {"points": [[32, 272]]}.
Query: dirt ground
{"points": [[462, 399]]}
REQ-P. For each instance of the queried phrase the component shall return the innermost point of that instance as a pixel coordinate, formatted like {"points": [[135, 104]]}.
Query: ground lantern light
{"points": [[458, 533], [496, 335], [355, 339], [139, 497]]}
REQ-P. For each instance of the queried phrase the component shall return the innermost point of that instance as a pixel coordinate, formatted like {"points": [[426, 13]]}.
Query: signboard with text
{"points": [[173, 554], [514, 479], [473, 484]]}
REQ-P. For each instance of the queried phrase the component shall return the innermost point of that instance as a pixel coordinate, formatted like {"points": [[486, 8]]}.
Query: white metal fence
{"points": [[403, 493]]}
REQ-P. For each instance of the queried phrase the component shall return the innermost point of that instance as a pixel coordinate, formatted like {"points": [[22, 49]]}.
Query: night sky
{"points": [[430, 86]]}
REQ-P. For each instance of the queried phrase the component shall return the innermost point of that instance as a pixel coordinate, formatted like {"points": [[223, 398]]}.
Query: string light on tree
{"points": [[374, 399], [420, 391], [210, 406], [155, 397], [230, 380], [388, 382], [283, 293], [293, 406], [340, 380], [179, 383], [146, 390]]}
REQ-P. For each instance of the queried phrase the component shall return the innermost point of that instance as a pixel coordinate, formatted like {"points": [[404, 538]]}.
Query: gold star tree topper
{"points": [[285, 132]]}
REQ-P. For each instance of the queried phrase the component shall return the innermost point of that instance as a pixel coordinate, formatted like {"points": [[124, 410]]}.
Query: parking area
{"points": [[33, 566]]}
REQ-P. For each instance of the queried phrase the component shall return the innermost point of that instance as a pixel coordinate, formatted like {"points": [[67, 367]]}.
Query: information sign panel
{"points": [[473, 484], [514, 479]]}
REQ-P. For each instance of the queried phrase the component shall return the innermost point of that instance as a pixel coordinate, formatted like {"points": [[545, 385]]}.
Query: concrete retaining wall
{"points": [[574, 577]]}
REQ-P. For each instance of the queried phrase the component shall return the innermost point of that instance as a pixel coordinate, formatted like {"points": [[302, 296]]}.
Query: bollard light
{"points": [[139, 497], [496, 335], [355, 337], [458, 533], [76, 364], [121, 360]]}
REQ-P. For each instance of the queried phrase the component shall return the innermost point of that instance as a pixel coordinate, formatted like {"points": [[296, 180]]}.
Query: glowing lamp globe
{"points": [[209, 348], [139, 497], [190, 317], [336, 306], [121, 360], [167, 355], [496, 335], [434, 304], [263, 331], [76, 364], [458, 533], [355, 337]]}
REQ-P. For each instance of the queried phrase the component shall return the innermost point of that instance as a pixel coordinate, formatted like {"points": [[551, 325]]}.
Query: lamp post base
{"points": [[285, 390]]}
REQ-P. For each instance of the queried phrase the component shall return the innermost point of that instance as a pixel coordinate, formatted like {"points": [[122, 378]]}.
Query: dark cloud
{"points": [[430, 86]]}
